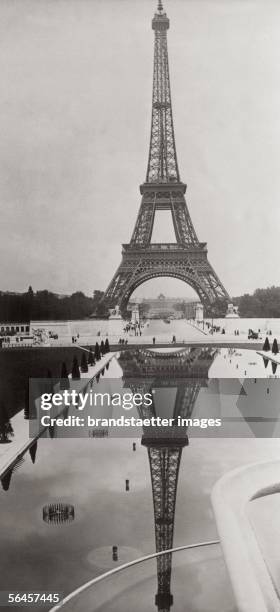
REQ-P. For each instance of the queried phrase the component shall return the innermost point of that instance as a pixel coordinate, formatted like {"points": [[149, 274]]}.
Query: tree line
{"points": [[45, 305], [262, 303]]}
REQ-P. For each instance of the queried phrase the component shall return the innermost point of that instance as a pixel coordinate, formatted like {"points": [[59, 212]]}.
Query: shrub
{"points": [[265, 362], [266, 346], [97, 354], [64, 382], [91, 360], [84, 365], [75, 369]]}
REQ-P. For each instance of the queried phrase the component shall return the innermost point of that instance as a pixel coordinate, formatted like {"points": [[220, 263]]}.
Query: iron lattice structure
{"points": [[164, 467], [186, 259], [162, 164], [165, 367], [145, 370], [165, 448]]}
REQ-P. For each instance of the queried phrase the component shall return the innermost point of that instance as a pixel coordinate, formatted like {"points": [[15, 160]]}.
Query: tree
{"points": [[265, 362], [26, 402], [275, 348], [263, 303], [6, 479], [107, 346], [84, 365], [44, 305], [97, 352], [75, 369], [266, 346], [32, 451], [64, 382], [91, 361], [217, 309], [100, 306], [102, 348], [6, 430]]}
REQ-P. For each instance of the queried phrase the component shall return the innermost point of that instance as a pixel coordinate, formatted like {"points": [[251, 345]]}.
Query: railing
{"points": [[121, 568], [164, 247], [18, 345]]}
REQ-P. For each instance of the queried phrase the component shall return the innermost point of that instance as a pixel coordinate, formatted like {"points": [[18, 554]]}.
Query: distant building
{"points": [[165, 307]]}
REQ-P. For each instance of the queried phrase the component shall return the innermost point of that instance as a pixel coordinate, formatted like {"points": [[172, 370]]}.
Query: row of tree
{"points": [[262, 303], [274, 349], [89, 359], [44, 305]]}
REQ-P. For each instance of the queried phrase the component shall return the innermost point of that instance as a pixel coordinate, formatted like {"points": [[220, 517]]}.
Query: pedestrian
{"points": [[154, 340]]}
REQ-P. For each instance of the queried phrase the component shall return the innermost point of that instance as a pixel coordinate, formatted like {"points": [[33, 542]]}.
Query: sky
{"points": [[75, 110]]}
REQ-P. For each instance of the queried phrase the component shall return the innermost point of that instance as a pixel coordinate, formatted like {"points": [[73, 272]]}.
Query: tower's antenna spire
{"points": [[162, 164]]}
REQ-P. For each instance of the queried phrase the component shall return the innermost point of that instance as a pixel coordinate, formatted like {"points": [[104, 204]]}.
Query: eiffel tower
{"points": [[147, 370], [186, 259], [165, 446]]}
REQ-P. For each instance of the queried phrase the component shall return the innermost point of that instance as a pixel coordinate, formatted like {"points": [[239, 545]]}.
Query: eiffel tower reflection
{"points": [[174, 379]]}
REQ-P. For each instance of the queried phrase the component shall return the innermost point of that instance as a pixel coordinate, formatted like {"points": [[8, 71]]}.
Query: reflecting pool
{"points": [[68, 503]]}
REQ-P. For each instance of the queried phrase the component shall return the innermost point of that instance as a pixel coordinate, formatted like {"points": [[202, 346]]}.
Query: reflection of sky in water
{"points": [[194, 572], [91, 474], [236, 363]]}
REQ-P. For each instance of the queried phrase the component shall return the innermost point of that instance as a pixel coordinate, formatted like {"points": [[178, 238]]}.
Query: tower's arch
{"points": [[143, 278]]}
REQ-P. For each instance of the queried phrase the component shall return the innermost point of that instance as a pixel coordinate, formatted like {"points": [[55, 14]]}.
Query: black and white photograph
{"points": [[140, 305]]}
